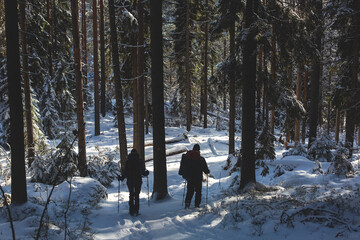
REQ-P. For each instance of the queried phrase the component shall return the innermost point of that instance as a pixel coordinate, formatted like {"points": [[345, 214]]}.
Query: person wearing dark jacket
{"points": [[192, 167], [134, 170]]}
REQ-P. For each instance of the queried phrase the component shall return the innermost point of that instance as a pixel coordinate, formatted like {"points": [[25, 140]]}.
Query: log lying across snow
{"points": [[169, 152], [167, 141]]}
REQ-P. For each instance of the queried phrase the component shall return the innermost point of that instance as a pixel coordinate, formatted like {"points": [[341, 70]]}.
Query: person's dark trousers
{"points": [[193, 186], [134, 191]]}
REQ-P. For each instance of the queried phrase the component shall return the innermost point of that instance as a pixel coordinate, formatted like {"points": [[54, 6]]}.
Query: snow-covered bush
{"points": [[280, 169], [299, 150], [54, 168], [102, 167], [341, 166], [317, 168], [233, 162], [5, 164], [320, 149]]}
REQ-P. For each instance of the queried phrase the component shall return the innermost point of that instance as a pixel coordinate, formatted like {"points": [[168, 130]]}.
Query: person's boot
{"points": [[187, 205], [131, 209], [136, 209]]}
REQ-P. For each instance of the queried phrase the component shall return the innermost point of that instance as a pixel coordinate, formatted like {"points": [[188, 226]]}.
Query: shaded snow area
{"points": [[293, 201]]}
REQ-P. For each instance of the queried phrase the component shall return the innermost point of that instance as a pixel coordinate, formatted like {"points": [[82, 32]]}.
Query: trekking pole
{"points": [[207, 188], [147, 178], [118, 196], [182, 204]]}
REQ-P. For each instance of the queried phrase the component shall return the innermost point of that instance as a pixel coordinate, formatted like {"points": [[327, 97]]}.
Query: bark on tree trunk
{"points": [[160, 173], [337, 125], [16, 140], [140, 82], [206, 64], [25, 66], [187, 68], [84, 42], [273, 77], [96, 69], [134, 92], [232, 90], [249, 88], [118, 90], [224, 76], [298, 97], [102, 59], [50, 51], [315, 80], [79, 89], [303, 134], [351, 112]]}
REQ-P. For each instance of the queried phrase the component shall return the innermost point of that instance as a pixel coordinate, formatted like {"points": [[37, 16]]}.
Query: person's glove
{"points": [[146, 173], [120, 178]]}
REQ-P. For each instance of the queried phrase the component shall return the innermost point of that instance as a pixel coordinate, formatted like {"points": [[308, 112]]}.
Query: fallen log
{"points": [[169, 152], [167, 141]]}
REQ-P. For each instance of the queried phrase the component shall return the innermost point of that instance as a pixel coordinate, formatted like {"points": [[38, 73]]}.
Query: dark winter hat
{"points": [[133, 151], [196, 147]]}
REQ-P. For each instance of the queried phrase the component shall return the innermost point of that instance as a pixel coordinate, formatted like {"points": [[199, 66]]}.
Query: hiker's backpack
{"points": [[183, 166]]}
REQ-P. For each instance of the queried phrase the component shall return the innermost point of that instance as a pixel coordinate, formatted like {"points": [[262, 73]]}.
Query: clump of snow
{"points": [[84, 191]]}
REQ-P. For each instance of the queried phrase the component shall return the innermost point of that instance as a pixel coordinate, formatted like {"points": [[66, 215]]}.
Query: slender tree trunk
{"points": [[329, 99], [160, 173], [84, 43], [25, 65], [259, 93], [50, 51], [79, 89], [140, 82], [351, 112], [54, 26], [261, 79], [298, 97], [102, 59], [266, 89], [337, 125], [187, 68], [147, 117], [232, 90], [249, 88], [359, 135], [224, 77], [315, 80], [118, 90], [96, 69], [303, 131], [287, 121], [206, 64], [273, 77], [134, 73], [18, 175], [170, 72]]}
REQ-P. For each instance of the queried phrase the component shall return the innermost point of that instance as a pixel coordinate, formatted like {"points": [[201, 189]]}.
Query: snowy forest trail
{"points": [[300, 203], [168, 218]]}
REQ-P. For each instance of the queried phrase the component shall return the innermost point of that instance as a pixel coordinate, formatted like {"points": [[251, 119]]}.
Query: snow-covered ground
{"points": [[293, 203]]}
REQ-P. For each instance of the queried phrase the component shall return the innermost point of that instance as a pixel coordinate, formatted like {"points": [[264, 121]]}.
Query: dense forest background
{"points": [[253, 67]]}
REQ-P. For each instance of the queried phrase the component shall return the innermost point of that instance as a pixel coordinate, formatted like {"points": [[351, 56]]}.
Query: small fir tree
{"points": [[320, 149], [265, 145]]}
